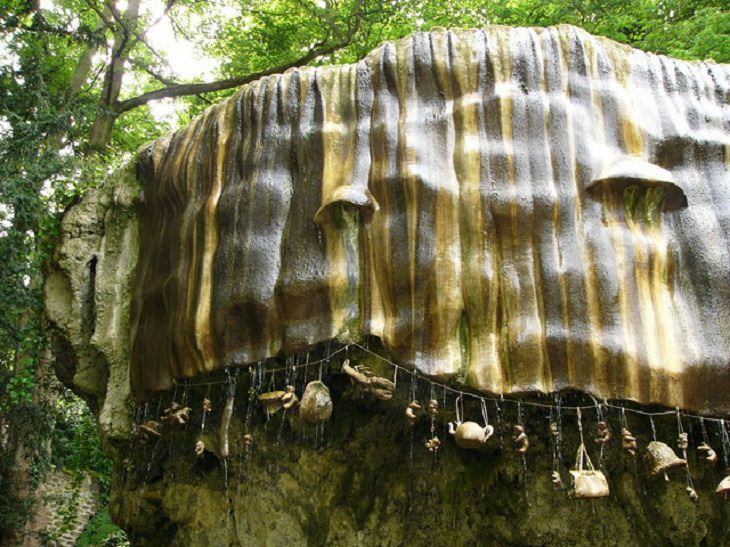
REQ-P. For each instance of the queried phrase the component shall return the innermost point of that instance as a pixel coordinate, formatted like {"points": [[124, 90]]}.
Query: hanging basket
{"points": [[587, 482]]}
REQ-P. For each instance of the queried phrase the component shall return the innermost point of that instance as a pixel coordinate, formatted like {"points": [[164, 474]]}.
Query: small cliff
{"points": [[508, 212]]}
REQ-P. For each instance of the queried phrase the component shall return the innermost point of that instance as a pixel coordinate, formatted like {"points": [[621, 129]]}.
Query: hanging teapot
{"points": [[470, 434]]}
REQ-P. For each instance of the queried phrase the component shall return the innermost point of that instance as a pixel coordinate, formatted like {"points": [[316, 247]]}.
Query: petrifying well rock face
{"points": [[515, 209]]}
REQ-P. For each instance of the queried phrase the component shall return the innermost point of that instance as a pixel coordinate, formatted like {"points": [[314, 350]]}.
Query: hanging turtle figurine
{"points": [[470, 434], [628, 441], [316, 405], [660, 458], [520, 440], [603, 434], [412, 412], [177, 414], [433, 444], [708, 453]]}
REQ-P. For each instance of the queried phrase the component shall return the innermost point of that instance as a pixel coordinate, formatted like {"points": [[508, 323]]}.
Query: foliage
{"points": [[102, 532], [72, 69]]}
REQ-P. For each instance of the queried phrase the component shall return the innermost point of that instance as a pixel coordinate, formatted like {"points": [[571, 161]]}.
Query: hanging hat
{"points": [[661, 458], [723, 489]]}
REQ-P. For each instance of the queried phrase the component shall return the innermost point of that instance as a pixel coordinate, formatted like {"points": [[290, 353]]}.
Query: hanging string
{"points": [[447, 388], [680, 436], [485, 412]]}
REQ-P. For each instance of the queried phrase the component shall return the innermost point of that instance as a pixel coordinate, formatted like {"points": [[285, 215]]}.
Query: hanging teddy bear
{"points": [[628, 441], [520, 439], [603, 433], [412, 412]]}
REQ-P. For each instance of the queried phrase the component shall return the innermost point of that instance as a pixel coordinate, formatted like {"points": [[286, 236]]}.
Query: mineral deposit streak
{"points": [[448, 174]]}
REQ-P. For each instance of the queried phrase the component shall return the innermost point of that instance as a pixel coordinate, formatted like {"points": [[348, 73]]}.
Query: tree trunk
{"points": [[101, 132]]}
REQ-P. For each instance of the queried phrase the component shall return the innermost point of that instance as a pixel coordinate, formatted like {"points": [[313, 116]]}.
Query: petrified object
{"points": [[225, 424], [660, 458], [433, 444], [556, 479], [683, 441], [247, 440], [707, 452], [520, 440], [692, 493], [273, 401], [316, 405], [587, 481], [470, 434], [199, 448], [412, 412], [365, 379], [603, 433], [207, 406], [554, 430], [150, 429], [723, 489], [628, 441], [177, 414], [433, 408]]}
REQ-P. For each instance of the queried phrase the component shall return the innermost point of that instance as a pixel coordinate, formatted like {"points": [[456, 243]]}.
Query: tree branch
{"points": [[182, 90]]}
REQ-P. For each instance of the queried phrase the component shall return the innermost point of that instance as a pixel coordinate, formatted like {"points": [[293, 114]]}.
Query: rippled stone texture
{"points": [[448, 173]]}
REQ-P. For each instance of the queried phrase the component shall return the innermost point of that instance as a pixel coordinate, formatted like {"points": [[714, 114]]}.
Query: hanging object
{"points": [[470, 434], [723, 489], [692, 493], [683, 441], [207, 407], [433, 408], [603, 434], [274, 401], [433, 444], [365, 379], [587, 481], [661, 458], [412, 412], [628, 441], [316, 405], [199, 448], [708, 453], [176, 414], [520, 440], [555, 477], [225, 423], [247, 441], [150, 429], [554, 430]]}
